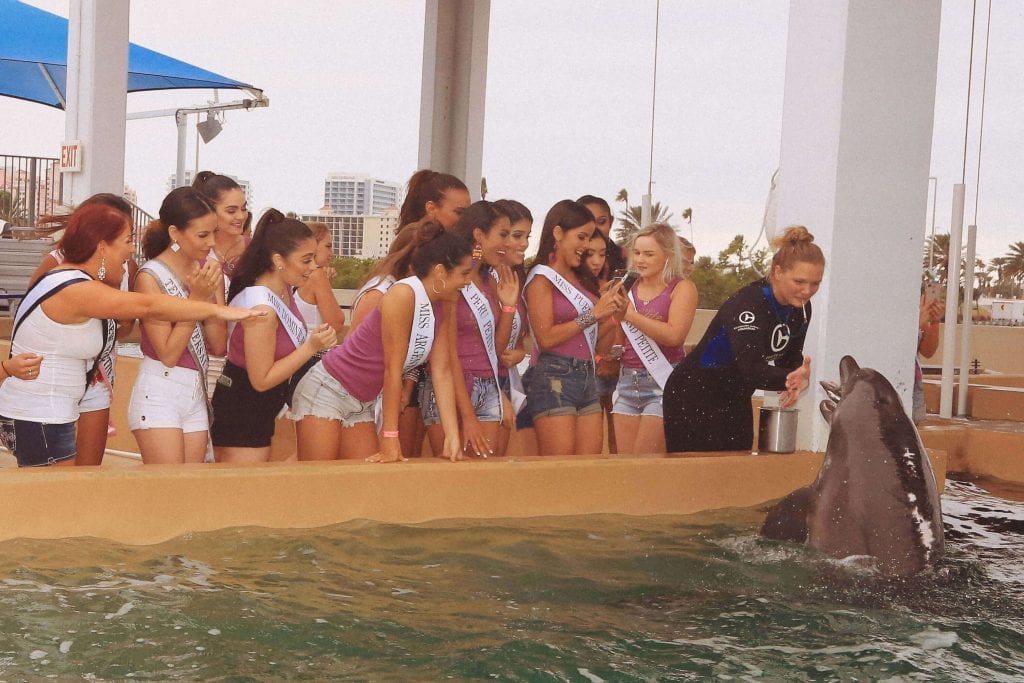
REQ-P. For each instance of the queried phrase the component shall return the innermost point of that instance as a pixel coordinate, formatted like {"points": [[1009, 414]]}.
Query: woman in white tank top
{"points": [[315, 298], [37, 418]]}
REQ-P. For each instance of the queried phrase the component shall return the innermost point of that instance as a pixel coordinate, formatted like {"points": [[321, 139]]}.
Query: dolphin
{"points": [[875, 493]]}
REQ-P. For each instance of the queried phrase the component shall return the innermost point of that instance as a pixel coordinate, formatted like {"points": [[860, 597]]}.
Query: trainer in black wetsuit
{"points": [[753, 342]]}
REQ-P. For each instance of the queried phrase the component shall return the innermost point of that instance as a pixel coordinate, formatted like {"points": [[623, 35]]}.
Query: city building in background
{"points": [[354, 194], [244, 184], [364, 236]]}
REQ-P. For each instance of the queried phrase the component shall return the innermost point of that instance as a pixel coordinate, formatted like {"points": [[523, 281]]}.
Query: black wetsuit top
{"points": [[753, 342]]}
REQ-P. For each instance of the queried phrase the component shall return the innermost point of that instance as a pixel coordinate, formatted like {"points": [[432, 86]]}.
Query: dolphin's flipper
{"points": [[828, 408], [787, 519]]}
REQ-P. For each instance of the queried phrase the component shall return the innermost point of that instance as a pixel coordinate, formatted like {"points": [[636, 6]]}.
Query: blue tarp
{"points": [[34, 49]]}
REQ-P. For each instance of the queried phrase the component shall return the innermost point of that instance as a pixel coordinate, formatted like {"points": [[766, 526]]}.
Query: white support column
{"points": [[856, 145], [97, 95], [453, 88]]}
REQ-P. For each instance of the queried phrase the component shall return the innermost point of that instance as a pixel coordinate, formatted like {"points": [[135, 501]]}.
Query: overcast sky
{"points": [[568, 103]]}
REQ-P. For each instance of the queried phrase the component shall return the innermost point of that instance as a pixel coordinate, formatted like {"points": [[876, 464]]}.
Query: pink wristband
{"points": [[508, 309], [389, 435]]}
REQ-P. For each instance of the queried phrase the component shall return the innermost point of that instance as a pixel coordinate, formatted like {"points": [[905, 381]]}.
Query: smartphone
{"points": [[628, 278], [932, 292]]}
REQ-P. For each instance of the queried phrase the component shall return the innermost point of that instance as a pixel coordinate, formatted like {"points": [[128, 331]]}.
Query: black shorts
{"points": [[242, 416]]}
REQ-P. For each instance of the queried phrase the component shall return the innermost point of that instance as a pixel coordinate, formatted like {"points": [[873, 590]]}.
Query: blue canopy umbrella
{"points": [[34, 53]]}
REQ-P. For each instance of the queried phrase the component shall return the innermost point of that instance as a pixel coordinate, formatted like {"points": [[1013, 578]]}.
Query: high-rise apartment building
{"points": [[358, 236], [352, 194], [244, 184]]}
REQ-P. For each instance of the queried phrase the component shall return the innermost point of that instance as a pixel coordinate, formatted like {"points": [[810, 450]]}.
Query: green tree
{"points": [[631, 216], [12, 208], [1014, 264], [350, 272]]}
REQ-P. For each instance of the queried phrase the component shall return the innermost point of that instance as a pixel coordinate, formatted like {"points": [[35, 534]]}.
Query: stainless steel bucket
{"points": [[776, 432]]}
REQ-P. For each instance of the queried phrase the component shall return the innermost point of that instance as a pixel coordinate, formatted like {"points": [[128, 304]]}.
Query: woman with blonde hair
{"points": [[661, 308], [755, 341]]}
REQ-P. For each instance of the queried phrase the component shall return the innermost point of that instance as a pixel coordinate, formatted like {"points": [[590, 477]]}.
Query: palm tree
{"points": [[1014, 263], [940, 258], [631, 217], [12, 208]]}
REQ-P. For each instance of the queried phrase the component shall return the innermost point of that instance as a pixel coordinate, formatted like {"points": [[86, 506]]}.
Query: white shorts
{"points": [[97, 397], [167, 398]]}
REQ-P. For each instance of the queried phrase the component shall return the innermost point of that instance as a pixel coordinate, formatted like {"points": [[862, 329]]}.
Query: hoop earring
{"points": [[444, 286], [101, 274]]}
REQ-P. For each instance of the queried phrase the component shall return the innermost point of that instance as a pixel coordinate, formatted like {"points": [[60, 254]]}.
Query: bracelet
{"points": [[389, 435], [585, 320], [508, 309]]}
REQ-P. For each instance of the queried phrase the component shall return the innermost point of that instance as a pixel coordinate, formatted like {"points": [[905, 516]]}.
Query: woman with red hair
{"points": [[67, 318]]}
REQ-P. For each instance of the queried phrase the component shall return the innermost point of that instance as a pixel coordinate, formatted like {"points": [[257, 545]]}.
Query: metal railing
{"points": [[30, 187]]}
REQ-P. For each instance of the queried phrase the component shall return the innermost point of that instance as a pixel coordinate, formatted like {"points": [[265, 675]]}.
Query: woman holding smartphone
{"points": [[661, 308], [562, 389]]}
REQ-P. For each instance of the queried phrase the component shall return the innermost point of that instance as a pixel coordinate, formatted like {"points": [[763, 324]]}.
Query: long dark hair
{"points": [[213, 185], [275, 234], [435, 246], [425, 186], [565, 214], [180, 207]]}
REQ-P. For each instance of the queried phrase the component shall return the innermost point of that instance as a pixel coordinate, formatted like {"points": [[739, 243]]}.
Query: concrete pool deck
{"points": [[127, 502]]}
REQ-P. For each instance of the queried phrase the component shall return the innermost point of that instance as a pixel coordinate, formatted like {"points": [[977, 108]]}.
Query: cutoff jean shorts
{"points": [[637, 394], [485, 397], [319, 394], [560, 385], [36, 444]]}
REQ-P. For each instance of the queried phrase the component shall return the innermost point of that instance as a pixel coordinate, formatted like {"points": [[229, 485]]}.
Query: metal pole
{"points": [[33, 175], [956, 228], [179, 171], [931, 242], [965, 329]]}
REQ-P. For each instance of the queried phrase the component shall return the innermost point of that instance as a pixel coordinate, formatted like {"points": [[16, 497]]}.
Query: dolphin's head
{"points": [[859, 389]]}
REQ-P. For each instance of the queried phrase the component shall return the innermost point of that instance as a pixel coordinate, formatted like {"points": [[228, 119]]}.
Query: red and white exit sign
{"points": [[71, 157]]}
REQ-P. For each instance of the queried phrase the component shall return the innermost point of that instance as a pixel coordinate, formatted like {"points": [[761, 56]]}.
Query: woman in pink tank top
{"points": [[167, 411], [483, 324], [661, 309], [562, 387], [414, 324]]}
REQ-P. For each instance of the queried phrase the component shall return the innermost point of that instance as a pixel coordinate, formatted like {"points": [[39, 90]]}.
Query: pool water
{"points": [[580, 599]]}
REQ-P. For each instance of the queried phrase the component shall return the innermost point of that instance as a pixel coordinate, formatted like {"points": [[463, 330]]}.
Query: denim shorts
{"points": [[318, 394], [485, 397], [35, 444], [637, 394], [560, 385]]}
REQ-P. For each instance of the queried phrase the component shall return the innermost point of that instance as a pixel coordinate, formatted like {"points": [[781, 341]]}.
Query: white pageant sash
{"points": [[381, 284], [170, 284], [258, 295], [649, 352], [481, 309], [578, 299], [421, 336]]}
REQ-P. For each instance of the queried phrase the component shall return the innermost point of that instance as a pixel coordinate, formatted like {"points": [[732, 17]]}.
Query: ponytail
{"points": [[275, 234]]}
